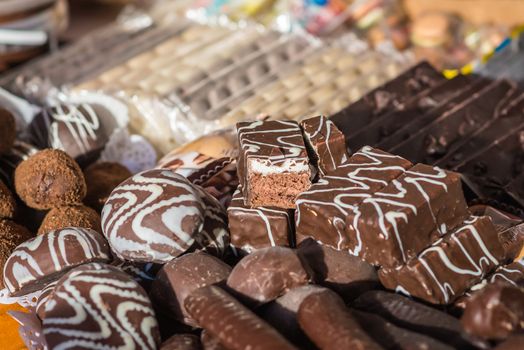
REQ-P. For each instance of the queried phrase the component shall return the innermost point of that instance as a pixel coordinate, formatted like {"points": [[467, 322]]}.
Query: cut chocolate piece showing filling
{"points": [[322, 211], [413, 211], [444, 271], [273, 163]]}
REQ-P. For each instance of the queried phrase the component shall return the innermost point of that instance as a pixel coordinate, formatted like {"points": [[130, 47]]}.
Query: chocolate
{"points": [[234, 325], [153, 216], [514, 342], [180, 277], [268, 273], [495, 311], [346, 274], [273, 165], [325, 143], [11, 235], [516, 189], [182, 342], [43, 298], [115, 311], [322, 210], [325, 319], [7, 130], [209, 342], [101, 179], [45, 258], [7, 202], [9, 161], [413, 211], [453, 264], [260, 227], [49, 178], [143, 273], [70, 216]]}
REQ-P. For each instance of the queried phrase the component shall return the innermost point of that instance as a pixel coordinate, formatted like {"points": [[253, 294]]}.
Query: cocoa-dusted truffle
{"points": [[101, 179], [11, 235], [7, 130], [50, 178], [7, 202], [71, 216]]}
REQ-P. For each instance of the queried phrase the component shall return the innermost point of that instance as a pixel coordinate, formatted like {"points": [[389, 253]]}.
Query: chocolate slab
{"points": [[233, 324], [453, 264], [322, 210], [255, 228], [326, 144], [406, 216], [325, 319], [273, 164], [383, 99]]}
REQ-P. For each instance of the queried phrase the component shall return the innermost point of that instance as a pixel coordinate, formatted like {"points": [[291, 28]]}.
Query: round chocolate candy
{"points": [[48, 179], [70, 216], [43, 259], [153, 216], [7, 202], [11, 235], [101, 179], [7, 130], [114, 312]]}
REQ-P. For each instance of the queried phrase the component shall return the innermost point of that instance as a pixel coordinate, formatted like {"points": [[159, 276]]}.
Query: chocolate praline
{"points": [[11, 235], [101, 179], [70, 216], [7, 202]]}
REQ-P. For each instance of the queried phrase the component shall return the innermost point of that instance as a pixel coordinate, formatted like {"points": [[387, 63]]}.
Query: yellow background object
{"points": [[9, 337]]}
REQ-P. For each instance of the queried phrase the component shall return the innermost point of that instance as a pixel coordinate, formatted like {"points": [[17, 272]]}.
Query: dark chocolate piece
{"points": [[453, 264], [260, 227], [410, 213], [234, 325], [268, 273], [181, 276], [322, 210], [273, 164], [182, 342], [325, 319], [326, 144], [7, 130]]}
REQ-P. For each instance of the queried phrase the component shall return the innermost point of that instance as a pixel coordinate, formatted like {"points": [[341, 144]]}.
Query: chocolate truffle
{"points": [[48, 179], [182, 342], [268, 273], [101, 179], [70, 216], [182, 275], [45, 258], [115, 311], [7, 202], [11, 235], [7, 130]]}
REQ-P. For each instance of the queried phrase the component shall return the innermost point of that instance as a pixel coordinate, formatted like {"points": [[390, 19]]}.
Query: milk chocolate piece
{"points": [[346, 274], [268, 273], [273, 164], [453, 264], [410, 213], [181, 276], [495, 311], [7, 202], [182, 342], [101, 179], [325, 143], [260, 227], [233, 324], [70, 216], [322, 210], [325, 319], [7, 130]]}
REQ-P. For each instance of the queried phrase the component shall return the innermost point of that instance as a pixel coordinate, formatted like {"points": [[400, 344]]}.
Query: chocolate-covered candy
{"points": [[181, 276], [7, 130], [70, 216], [324, 318], [209, 342], [495, 311], [153, 216], [43, 298], [115, 311], [234, 325], [49, 178], [11, 235], [7, 202], [267, 273], [182, 342], [45, 258], [143, 273], [101, 180], [346, 274]]}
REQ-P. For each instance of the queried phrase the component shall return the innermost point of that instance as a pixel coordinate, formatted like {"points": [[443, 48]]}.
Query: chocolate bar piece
{"points": [[260, 227], [390, 96], [323, 209], [445, 270], [326, 144], [273, 163], [413, 211]]}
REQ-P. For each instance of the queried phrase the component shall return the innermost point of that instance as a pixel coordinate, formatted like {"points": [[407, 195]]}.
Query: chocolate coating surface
{"points": [[71, 216], [101, 180], [7, 202], [182, 342], [115, 311], [7, 130], [267, 273], [49, 178]]}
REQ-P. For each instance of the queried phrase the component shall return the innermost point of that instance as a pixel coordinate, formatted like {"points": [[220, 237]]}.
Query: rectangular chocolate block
{"points": [[322, 210], [406, 216], [326, 144], [453, 264], [273, 163], [386, 98], [255, 228]]}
